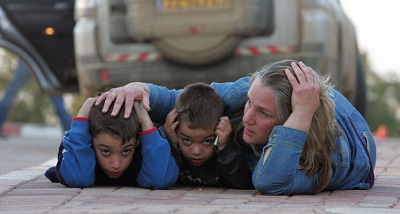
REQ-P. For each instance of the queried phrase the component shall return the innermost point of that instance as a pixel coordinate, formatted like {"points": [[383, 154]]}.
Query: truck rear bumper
{"points": [[98, 75]]}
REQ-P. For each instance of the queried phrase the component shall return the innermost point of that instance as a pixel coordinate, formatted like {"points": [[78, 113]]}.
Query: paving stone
{"points": [[28, 191]]}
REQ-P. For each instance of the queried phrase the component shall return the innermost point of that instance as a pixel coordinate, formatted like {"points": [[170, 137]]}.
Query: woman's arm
{"points": [[159, 100], [305, 96], [279, 174], [234, 94]]}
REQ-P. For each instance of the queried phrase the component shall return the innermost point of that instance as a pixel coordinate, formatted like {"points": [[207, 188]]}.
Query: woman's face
{"points": [[260, 114]]}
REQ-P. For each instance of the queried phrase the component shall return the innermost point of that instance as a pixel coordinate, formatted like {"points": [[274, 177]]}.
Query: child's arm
{"points": [[223, 131], [143, 117], [233, 165], [159, 169], [77, 161]]}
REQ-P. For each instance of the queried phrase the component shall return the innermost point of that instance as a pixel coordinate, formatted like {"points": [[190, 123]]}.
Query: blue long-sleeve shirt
{"points": [[152, 165]]}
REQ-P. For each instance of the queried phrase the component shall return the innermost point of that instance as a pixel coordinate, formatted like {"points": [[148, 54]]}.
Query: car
{"points": [[99, 44], [40, 32]]}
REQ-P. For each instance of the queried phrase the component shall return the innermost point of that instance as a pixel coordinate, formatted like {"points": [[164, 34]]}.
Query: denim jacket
{"points": [[352, 165], [162, 100]]}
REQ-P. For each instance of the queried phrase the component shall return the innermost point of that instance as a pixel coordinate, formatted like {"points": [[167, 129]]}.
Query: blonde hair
{"points": [[316, 157]]}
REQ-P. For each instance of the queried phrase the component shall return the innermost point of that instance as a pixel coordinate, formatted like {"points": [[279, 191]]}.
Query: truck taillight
{"points": [[85, 9], [104, 76]]}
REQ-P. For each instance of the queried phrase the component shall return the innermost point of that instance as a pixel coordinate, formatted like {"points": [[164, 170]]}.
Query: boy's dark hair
{"points": [[199, 105], [100, 122]]}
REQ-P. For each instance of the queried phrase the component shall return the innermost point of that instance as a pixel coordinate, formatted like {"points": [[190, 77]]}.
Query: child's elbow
{"points": [[166, 182], [163, 185], [156, 185], [78, 181], [162, 181], [79, 184]]}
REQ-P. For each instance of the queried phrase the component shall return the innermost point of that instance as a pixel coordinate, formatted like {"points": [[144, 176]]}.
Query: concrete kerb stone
{"points": [[31, 130], [15, 178]]}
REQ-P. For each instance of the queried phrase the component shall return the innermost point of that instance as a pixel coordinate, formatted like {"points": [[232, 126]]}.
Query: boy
{"points": [[199, 135], [104, 150]]}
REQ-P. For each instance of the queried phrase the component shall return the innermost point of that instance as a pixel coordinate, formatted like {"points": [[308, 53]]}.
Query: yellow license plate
{"points": [[173, 5]]}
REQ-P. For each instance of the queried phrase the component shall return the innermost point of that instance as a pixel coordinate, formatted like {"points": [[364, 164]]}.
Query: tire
{"points": [[188, 51]]}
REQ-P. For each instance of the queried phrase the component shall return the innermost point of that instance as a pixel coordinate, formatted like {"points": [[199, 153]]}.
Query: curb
{"points": [[31, 130], [12, 180]]}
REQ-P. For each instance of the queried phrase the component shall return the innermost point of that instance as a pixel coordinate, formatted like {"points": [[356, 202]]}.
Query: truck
{"points": [[177, 42]]}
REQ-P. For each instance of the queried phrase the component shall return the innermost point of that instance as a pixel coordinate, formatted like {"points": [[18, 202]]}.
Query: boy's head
{"points": [[114, 139], [199, 109]]}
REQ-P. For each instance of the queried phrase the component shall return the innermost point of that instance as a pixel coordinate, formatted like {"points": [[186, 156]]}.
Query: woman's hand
{"points": [[305, 96], [125, 95]]}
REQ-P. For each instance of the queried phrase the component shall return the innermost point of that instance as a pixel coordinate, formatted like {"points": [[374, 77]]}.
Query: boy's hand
{"points": [[143, 116], [87, 105], [223, 131], [170, 128]]}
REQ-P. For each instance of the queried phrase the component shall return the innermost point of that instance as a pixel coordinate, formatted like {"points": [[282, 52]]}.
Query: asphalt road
{"points": [[23, 152]]}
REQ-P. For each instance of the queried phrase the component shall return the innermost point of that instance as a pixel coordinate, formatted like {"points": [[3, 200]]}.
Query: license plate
{"points": [[179, 5]]}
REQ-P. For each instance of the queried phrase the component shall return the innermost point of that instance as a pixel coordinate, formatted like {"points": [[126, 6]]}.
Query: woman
{"points": [[313, 139]]}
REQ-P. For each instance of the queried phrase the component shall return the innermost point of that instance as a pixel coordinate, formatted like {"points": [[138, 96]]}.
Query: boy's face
{"points": [[197, 145], [113, 156]]}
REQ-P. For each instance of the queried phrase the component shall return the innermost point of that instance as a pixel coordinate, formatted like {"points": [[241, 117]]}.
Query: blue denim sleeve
{"points": [[234, 94], [279, 175], [78, 158], [162, 99], [159, 169]]}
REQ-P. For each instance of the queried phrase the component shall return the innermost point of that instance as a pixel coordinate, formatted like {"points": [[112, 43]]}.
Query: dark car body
{"points": [[40, 32], [86, 46]]}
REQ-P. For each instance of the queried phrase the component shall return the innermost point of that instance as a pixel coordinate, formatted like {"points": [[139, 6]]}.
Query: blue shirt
{"points": [[152, 165]]}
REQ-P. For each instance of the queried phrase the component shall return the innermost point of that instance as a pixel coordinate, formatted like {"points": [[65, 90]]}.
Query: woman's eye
{"points": [[263, 114]]}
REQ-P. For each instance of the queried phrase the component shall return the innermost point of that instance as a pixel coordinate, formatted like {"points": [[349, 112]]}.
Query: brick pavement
{"points": [[28, 191]]}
